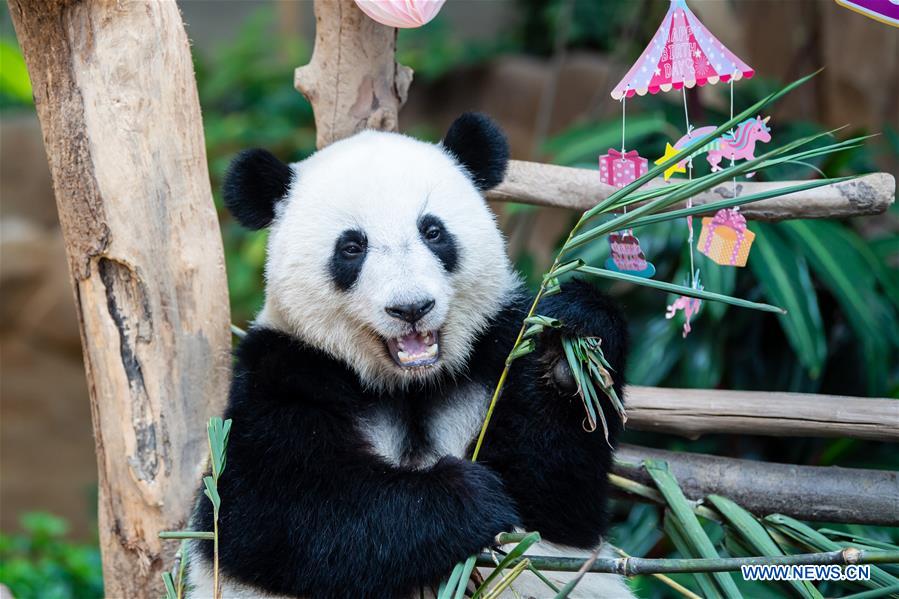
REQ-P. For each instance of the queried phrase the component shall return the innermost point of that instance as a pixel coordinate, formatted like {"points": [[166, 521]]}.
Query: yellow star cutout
{"points": [[670, 151]]}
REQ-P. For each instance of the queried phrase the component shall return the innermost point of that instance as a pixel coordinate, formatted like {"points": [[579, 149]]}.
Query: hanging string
{"points": [[623, 100], [733, 137], [689, 199]]}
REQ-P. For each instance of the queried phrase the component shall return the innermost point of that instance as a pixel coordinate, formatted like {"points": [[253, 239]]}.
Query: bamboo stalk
{"points": [[635, 566]]}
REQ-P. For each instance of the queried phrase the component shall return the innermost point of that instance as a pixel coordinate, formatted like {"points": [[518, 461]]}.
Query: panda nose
{"points": [[410, 312]]}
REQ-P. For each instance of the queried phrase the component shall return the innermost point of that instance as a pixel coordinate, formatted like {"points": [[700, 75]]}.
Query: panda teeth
{"points": [[432, 350]]}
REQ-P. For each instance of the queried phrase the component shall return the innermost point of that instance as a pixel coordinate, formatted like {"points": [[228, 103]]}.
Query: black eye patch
{"points": [[440, 241], [347, 259]]}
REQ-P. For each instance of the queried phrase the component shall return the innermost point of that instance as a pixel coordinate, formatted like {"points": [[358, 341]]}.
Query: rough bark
{"points": [[828, 494], [695, 412], [115, 93], [580, 189], [353, 80]]}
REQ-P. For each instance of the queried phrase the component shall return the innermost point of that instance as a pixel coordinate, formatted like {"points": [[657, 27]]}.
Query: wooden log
{"points": [[580, 189], [353, 80], [695, 412], [115, 93], [827, 494]]}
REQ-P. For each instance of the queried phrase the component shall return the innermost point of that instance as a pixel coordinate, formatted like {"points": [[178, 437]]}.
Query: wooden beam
{"points": [[115, 93], [580, 189], [353, 80], [695, 412], [827, 494]]}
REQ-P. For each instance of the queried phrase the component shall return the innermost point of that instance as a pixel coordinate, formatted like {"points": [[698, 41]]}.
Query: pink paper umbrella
{"points": [[682, 53], [401, 13]]}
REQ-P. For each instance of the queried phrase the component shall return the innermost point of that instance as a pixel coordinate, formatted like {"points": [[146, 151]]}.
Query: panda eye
{"points": [[352, 249], [433, 233]]}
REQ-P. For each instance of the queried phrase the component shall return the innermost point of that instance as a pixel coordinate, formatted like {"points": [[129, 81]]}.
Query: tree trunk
{"points": [[353, 80], [115, 93]]}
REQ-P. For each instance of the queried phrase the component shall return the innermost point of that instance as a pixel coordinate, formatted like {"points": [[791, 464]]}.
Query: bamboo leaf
{"points": [[692, 529], [785, 278], [756, 538], [532, 331], [678, 289], [806, 536], [212, 493], [675, 532], [514, 553], [521, 350], [447, 589], [545, 321], [169, 586]]}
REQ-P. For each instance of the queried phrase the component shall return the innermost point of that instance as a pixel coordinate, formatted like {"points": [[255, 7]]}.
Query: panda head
{"points": [[382, 251]]}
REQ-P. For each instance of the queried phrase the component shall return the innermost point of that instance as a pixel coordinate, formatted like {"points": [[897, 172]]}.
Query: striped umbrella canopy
{"points": [[682, 53]]}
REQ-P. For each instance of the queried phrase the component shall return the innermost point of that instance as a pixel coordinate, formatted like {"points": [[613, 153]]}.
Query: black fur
{"points": [[307, 510], [480, 146], [347, 259], [443, 245], [255, 182]]}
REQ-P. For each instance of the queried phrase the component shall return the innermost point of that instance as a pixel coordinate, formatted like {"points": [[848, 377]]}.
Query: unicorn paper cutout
{"points": [[739, 145], [690, 306]]}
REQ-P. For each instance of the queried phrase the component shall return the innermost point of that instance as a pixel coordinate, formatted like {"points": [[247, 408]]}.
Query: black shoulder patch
{"points": [[480, 146], [255, 182]]}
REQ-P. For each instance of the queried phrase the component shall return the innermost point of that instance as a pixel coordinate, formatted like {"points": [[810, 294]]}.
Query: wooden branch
{"points": [[828, 494], [580, 189], [117, 101], [694, 412], [353, 80]]}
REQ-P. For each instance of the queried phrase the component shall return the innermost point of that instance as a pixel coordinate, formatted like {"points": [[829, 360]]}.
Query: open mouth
{"points": [[415, 350]]}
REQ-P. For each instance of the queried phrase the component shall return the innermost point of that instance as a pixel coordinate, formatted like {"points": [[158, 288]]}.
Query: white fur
{"points": [[450, 430], [382, 183]]}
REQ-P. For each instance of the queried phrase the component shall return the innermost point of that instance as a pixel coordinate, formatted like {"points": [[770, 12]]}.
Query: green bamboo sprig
{"points": [[217, 433], [550, 283], [637, 566]]}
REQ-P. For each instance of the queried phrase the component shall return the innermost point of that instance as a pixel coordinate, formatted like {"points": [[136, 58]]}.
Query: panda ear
{"points": [[255, 182], [480, 146]]}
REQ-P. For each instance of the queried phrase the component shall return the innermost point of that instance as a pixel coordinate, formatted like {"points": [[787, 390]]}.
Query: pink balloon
{"points": [[401, 13]]}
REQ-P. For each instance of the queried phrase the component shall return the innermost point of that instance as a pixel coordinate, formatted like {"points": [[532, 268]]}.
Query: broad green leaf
{"points": [[693, 532], [838, 265], [756, 538], [784, 276]]}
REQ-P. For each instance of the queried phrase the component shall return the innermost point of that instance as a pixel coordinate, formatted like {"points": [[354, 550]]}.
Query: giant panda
{"points": [[359, 390]]}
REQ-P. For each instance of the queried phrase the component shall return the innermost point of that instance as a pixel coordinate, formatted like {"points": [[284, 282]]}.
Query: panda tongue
{"points": [[414, 344]]}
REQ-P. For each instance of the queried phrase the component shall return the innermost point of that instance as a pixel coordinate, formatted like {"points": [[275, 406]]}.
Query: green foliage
{"points": [[15, 86], [42, 564], [840, 289], [248, 100]]}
